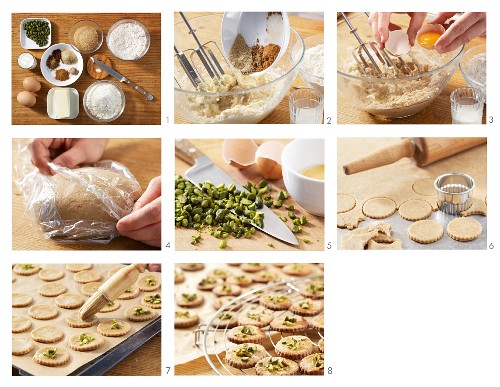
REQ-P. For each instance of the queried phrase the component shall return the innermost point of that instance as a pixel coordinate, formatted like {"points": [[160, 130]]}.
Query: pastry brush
{"points": [[111, 290]]}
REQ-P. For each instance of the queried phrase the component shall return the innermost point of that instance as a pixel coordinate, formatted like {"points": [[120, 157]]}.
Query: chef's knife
{"points": [[115, 74], [203, 169]]}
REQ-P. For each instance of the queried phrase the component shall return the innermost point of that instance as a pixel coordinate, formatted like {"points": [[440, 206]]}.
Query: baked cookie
{"points": [[318, 323], [51, 356], [86, 276], [47, 334], [192, 266], [185, 319], [265, 276], [139, 313], [252, 267], [21, 346], [52, 289], [276, 366], [246, 334], [74, 321], [275, 301], [20, 300], [297, 269], [43, 312], [189, 300], [178, 277], [345, 203], [208, 283], [313, 364], [314, 290], [307, 307], [69, 301], [152, 300], [149, 282], [321, 345], [225, 320], [85, 341], [239, 280], [425, 231], [227, 290], [225, 301], [113, 328], [14, 278], [20, 324], [26, 269], [110, 307], [464, 229], [294, 347], [129, 293], [90, 288], [379, 208], [256, 317], [415, 209], [76, 267], [220, 273], [290, 323], [245, 355], [50, 275]]}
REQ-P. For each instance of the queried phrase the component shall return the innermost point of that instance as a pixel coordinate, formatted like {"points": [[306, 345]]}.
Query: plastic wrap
{"points": [[77, 205]]}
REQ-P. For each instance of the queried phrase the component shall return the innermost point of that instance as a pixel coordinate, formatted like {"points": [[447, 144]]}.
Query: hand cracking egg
{"points": [[429, 34], [398, 43]]}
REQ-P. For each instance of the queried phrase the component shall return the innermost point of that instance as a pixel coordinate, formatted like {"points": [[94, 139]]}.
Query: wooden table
{"points": [[313, 230], [141, 156], [281, 114], [145, 72], [438, 112]]}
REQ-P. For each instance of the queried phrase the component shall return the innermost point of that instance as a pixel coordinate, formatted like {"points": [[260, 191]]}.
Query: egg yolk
{"points": [[428, 39]]}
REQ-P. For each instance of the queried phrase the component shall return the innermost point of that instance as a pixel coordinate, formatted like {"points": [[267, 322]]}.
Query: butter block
{"points": [[61, 103]]}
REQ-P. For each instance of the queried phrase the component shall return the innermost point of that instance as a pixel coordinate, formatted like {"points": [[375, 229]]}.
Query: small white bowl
{"points": [[74, 104], [297, 156], [29, 44], [50, 75]]}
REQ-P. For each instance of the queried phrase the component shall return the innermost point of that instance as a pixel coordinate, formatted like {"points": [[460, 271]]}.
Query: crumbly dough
{"points": [[358, 239], [478, 207], [379, 208], [425, 231], [394, 245], [464, 229], [415, 209], [345, 203]]}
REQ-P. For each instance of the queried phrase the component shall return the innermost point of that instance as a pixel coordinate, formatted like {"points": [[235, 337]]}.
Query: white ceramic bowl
{"points": [[50, 75], [297, 156]]}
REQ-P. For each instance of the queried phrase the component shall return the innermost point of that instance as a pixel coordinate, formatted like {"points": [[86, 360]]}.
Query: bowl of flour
{"points": [[312, 66], [473, 67], [104, 101], [128, 39]]}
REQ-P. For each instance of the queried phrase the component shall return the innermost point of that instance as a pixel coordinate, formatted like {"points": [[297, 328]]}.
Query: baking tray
{"points": [[400, 231], [115, 355]]}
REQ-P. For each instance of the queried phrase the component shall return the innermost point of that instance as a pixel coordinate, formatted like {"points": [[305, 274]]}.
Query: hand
{"points": [[154, 266], [66, 152], [381, 25], [467, 27], [144, 222]]}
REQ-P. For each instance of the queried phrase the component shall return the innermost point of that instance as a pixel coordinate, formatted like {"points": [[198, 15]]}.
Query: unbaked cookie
{"points": [[69, 301], [424, 187], [43, 312], [90, 288], [20, 300], [464, 229], [257, 317], [50, 274], [76, 267], [189, 300], [415, 209], [74, 321], [294, 347], [185, 318], [313, 364], [51, 356], [379, 208], [307, 307], [139, 313], [115, 270], [290, 323], [276, 366], [85, 276], [47, 334], [52, 289], [149, 282], [349, 220], [275, 301], [345, 203], [26, 269], [152, 300], [425, 231], [20, 324], [129, 293], [110, 307], [85, 341], [113, 328], [21, 346], [245, 355], [246, 334]]}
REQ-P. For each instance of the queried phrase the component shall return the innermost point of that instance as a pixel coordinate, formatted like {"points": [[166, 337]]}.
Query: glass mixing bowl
{"points": [[471, 78], [313, 81], [391, 97], [247, 106]]}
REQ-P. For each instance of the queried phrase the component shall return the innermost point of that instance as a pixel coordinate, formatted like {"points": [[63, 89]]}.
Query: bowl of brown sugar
{"points": [[86, 36]]}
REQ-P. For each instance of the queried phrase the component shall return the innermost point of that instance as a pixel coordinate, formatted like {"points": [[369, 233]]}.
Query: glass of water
{"points": [[306, 106], [467, 106]]}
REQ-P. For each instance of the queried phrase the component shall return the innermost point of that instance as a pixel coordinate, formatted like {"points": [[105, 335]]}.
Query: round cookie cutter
{"points": [[454, 192]]}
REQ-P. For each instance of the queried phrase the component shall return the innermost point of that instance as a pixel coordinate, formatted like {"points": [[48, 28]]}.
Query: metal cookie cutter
{"points": [[454, 192]]}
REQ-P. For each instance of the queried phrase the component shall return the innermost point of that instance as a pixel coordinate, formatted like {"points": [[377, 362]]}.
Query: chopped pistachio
{"points": [[85, 339], [306, 240], [27, 266], [153, 299], [245, 352], [140, 311], [182, 314], [289, 321], [115, 324], [270, 245], [223, 244], [150, 281], [50, 353], [189, 296]]}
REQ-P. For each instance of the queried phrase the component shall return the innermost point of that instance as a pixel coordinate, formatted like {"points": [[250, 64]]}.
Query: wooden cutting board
{"points": [[313, 230], [281, 114], [141, 156], [146, 72]]}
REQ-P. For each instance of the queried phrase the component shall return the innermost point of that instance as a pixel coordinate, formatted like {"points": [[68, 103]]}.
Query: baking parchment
{"points": [[30, 284]]}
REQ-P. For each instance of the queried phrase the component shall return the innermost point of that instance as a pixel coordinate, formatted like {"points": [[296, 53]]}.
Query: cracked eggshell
{"points": [[398, 43], [268, 159], [239, 153], [437, 28]]}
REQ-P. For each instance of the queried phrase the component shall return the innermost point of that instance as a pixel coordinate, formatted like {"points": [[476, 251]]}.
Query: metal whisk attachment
{"points": [[202, 61], [369, 56]]}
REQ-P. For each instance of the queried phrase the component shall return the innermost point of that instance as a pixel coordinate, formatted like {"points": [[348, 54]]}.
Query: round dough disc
{"points": [[415, 209], [345, 203], [424, 187], [464, 229], [425, 231], [379, 208]]}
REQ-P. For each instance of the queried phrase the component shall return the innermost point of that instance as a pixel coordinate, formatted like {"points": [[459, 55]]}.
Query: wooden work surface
{"points": [[438, 112], [281, 114], [313, 230], [146, 72], [141, 156]]}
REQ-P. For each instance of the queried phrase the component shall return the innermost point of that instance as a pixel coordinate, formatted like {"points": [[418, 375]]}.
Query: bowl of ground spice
{"points": [[86, 36], [61, 64]]}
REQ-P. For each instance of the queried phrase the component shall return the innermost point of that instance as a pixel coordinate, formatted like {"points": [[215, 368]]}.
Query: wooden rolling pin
{"points": [[423, 151]]}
